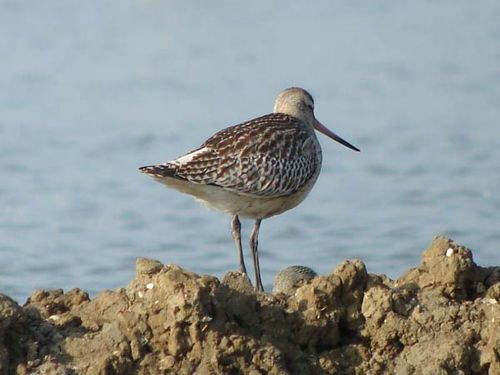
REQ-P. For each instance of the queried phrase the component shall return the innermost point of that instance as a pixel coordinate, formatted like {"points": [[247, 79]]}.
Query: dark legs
{"points": [[236, 230], [253, 244]]}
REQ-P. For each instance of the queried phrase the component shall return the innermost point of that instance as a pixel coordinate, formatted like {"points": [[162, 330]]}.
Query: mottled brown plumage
{"points": [[270, 156], [256, 169]]}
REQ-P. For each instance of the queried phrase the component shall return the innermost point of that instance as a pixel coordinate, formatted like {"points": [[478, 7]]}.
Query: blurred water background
{"points": [[89, 91]]}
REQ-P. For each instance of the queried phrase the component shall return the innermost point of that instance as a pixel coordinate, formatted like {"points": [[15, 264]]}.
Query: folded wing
{"points": [[266, 157]]}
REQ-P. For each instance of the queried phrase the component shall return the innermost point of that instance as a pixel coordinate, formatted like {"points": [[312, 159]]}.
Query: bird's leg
{"points": [[253, 244], [236, 231]]}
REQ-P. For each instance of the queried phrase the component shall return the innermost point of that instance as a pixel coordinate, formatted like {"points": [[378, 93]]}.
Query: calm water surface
{"points": [[89, 91]]}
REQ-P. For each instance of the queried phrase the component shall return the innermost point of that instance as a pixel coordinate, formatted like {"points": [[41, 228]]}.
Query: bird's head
{"points": [[298, 103]]}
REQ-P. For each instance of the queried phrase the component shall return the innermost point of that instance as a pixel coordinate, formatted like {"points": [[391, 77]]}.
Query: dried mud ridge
{"points": [[440, 318]]}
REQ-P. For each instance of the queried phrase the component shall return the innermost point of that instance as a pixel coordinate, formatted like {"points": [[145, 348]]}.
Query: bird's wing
{"points": [[266, 157]]}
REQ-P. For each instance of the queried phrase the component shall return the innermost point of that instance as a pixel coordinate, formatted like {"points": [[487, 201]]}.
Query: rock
{"points": [[446, 267], [353, 276], [145, 266], [239, 282], [10, 313], [441, 317]]}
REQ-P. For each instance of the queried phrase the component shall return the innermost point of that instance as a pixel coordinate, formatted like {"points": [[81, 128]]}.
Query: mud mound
{"points": [[440, 318]]}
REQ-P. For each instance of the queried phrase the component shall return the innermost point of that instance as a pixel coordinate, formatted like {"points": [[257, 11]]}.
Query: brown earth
{"points": [[440, 318]]}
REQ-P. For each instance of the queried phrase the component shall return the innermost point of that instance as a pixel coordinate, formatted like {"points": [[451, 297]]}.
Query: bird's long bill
{"points": [[323, 129]]}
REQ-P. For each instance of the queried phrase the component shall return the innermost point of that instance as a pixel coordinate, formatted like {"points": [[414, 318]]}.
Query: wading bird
{"points": [[257, 169]]}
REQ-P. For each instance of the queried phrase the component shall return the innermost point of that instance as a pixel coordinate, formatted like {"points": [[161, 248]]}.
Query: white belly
{"points": [[251, 207]]}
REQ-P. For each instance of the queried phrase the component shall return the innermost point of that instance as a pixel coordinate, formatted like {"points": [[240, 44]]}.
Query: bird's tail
{"points": [[163, 170]]}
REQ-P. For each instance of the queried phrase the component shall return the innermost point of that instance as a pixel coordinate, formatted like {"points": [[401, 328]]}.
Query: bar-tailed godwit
{"points": [[287, 280], [257, 169]]}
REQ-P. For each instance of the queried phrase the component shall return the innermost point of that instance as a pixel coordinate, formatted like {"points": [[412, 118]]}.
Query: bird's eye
{"points": [[310, 106]]}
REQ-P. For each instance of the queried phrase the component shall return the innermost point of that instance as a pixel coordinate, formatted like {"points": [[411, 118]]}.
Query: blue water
{"points": [[89, 91]]}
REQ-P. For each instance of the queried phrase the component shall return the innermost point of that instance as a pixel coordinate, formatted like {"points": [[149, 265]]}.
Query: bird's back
{"points": [[270, 156]]}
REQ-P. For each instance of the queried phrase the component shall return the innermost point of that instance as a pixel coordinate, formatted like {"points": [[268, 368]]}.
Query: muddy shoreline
{"points": [[442, 317]]}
